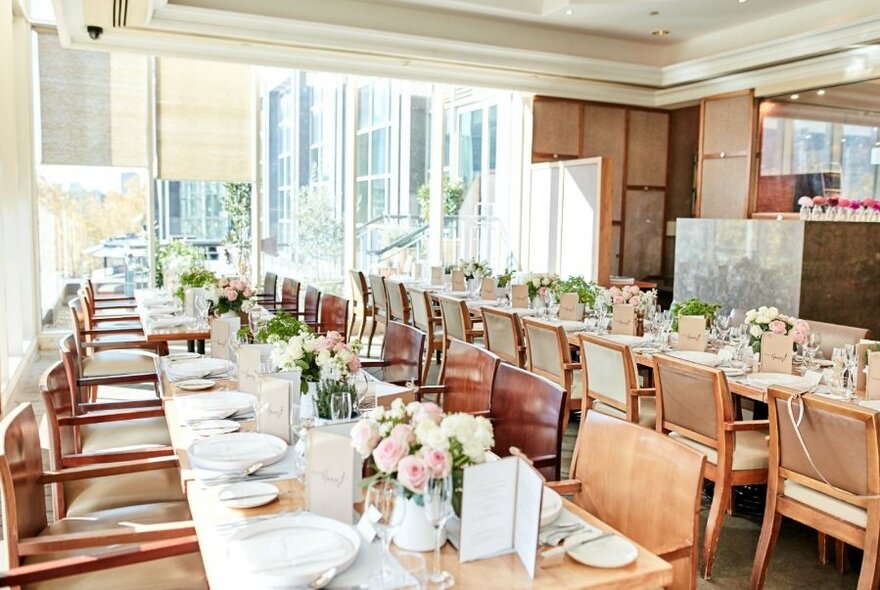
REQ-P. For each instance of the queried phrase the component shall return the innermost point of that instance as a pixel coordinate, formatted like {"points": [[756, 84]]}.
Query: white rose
{"points": [[379, 413], [751, 315], [323, 357], [756, 331], [474, 451], [430, 435], [308, 344], [773, 312]]}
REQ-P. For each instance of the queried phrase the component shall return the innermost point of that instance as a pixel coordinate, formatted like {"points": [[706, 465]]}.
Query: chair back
{"points": [[78, 321], [398, 301], [456, 319], [310, 305], [360, 293], [527, 413], [422, 311], [377, 288], [469, 378], [693, 400], [502, 334], [21, 470], [608, 371], [643, 484], [842, 439], [837, 335], [402, 352], [290, 295], [72, 362], [334, 314], [547, 350], [56, 397], [270, 284]]}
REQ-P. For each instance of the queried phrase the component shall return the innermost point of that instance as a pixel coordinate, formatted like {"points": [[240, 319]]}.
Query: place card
{"points": [[436, 275], [251, 361], [862, 350], [223, 330], [776, 353], [487, 287], [570, 307], [333, 480], [501, 511], [872, 381], [458, 282], [519, 296], [623, 319], [692, 333], [273, 408]]}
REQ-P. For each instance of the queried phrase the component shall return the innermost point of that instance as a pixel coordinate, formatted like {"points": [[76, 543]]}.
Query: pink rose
{"points": [[354, 364], [403, 433], [868, 203], [438, 462], [388, 453], [805, 201], [364, 437], [619, 299], [854, 205], [799, 336], [635, 300], [428, 411], [413, 473], [777, 327], [322, 343], [248, 293], [817, 200], [231, 294], [844, 203]]}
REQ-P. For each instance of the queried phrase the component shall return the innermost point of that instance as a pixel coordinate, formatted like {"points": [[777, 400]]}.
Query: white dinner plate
{"points": [[708, 359], [212, 427], [293, 551], [625, 339], [733, 372], [236, 451], [551, 507], [610, 552], [195, 384], [183, 356], [523, 311], [247, 494], [780, 379], [217, 404]]}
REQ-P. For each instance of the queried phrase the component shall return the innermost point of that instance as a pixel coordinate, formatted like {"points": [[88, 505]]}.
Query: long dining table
{"points": [[648, 571]]}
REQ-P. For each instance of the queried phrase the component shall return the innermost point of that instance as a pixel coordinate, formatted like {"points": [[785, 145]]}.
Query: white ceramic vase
{"points": [[415, 533]]}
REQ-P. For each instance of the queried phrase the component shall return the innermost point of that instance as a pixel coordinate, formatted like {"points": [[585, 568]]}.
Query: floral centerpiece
{"points": [[629, 294], [694, 306], [319, 358], [196, 277], [587, 291], [540, 284], [475, 269], [768, 319], [232, 295], [281, 327]]}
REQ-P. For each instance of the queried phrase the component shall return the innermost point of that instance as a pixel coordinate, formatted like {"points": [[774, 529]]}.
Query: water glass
{"points": [[340, 406], [386, 502], [413, 565], [201, 304], [438, 509]]}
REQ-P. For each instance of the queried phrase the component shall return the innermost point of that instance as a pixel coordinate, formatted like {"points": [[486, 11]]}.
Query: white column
{"points": [[435, 220], [349, 185], [152, 169]]}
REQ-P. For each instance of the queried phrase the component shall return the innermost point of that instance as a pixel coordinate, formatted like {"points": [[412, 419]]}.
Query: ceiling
{"points": [[862, 97], [602, 51]]}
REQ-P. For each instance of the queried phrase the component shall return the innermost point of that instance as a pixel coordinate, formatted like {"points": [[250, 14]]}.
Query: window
{"points": [[191, 210]]}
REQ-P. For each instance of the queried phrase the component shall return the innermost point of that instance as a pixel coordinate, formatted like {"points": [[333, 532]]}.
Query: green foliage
{"points": [[587, 291], [325, 391], [282, 327], [505, 277], [196, 277], [453, 197], [694, 306], [319, 234], [175, 249], [236, 201]]}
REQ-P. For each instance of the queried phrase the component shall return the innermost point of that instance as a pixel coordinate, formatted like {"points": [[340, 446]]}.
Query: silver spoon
{"points": [[249, 470]]}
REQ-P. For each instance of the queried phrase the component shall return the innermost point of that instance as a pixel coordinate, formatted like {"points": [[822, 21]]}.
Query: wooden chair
{"points": [[360, 298], [117, 320], [398, 301], [468, 381], [611, 384], [401, 361], [124, 336], [694, 407], [379, 307], [837, 336], [835, 489], [527, 413], [103, 301], [268, 295], [289, 296], [333, 316], [502, 334], [456, 321], [426, 319], [549, 355], [643, 484], [311, 305], [31, 540]]}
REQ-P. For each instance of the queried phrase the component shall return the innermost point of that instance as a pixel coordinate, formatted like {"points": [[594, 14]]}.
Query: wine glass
{"points": [[814, 341], [722, 324], [438, 509], [340, 406], [201, 304], [414, 565], [838, 375], [386, 503]]}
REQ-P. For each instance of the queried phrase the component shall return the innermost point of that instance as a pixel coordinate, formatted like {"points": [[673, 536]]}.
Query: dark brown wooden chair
{"points": [[268, 295], [401, 361], [289, 296], [360, 298], [379, 306], [643, 484], [426, 319], [311, 305], [470, 376], [114, 534], [835, 489], [526, 413], [333, 316]]}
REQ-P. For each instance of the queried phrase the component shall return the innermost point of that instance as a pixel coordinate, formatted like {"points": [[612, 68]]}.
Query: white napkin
{"points": [[156, 301], [571, 325], [167, 322], [196, 368], [276, 551], [154, 311]]}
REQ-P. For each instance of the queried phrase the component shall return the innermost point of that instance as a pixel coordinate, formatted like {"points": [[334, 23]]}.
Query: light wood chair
{"points": [[401, 361], [457, 325], [549, 355], [117, 320], [527, 412], [644, 485], [125, 336], [837, 335], [379, 306], [100, 301], [502, 334], [360, 298], [34, 547], [426, 319], [398, 301], [333, 316], [835, 489], [694, 407], [611, 384], [468, 381]]}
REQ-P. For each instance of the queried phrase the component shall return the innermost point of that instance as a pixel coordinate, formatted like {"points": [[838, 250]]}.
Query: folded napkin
{"points": [[274, 550], [154, 311], [196, 368], [167, 322], [155, 301], [571, 325]]}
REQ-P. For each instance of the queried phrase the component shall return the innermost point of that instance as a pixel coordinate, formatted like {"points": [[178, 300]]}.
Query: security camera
{"points": [[95, 32]]}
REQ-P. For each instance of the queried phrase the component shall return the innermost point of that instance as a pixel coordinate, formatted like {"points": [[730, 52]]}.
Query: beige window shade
{"points": [[205, 120], [93, 106]]}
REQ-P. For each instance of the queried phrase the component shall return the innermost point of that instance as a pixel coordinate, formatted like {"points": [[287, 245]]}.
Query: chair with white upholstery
{"points": [[425, 319], [457, 325], [549, 355], [379, 306], [360, 302], [694, 407], [503, 335], [398, 301], [611, 383]]}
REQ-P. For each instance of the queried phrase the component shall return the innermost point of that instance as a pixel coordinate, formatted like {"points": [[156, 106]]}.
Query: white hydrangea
{"points": [[756, 331], [430, 435]]}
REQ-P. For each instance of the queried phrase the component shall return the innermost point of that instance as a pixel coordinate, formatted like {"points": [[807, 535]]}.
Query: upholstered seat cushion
{"points": [[142, 432], [183, 572], [647, 411], [121, 338], [118, 362], [750, 450], [577, 385], [119, 491], [828, 504]]}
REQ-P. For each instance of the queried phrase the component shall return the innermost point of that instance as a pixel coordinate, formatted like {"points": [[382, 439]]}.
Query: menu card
{"points": [[872, 381], [623, 319], [862, 350], [776, 353], [436, 275], [487, 287], [458, 282], [333, 472], [570, 307], [252, 360], [501, 511], [273, 409], [519, 296], [223, 330], [692, 333]]}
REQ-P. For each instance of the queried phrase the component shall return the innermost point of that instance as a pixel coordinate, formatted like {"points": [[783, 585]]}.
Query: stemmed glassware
{"points": [[201, 304], [386, 503], [722, 324], [601, 315], [811, 348], [302, 417], [438, 509]]}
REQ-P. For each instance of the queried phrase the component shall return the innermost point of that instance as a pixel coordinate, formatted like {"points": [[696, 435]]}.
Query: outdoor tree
{"points": [[236, 201]]}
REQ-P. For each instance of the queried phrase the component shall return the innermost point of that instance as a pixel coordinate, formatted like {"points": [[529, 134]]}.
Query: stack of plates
{"points": [[216, 406], [708, 359], [236, 451], [551, 507]]}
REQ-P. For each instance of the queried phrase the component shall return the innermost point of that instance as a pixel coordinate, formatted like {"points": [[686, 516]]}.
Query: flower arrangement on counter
{"points": [[319, 358], [768, 319], [834, 208], [631, 295], [540, 284], [232, 295], [416, 442]]}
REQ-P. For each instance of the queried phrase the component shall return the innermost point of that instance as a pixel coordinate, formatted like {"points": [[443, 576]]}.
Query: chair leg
{"points": [[822, 546], [363, 326], [766, 542], [869, 576], [840, 555], [442, 364], [372, 333], [717, 512]]}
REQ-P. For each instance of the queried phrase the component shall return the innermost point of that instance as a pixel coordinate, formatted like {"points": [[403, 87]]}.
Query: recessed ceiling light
{"points": [[795, 96], [569, 12], [660, 33], [820, 92]]}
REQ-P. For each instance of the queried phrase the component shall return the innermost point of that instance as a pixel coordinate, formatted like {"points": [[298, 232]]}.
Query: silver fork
{"points": [[555, 538], [228, 526]]}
